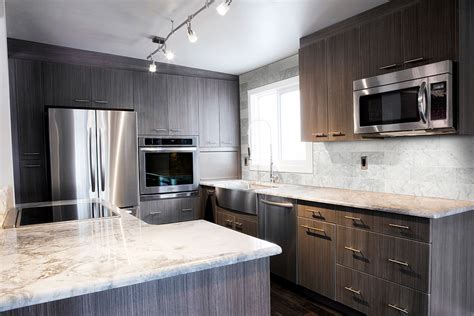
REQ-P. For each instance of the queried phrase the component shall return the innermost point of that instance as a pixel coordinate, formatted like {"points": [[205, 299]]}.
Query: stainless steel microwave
{"points": [[416, 101]]}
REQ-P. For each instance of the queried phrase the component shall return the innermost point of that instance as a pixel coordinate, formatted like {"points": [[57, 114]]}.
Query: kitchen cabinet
{"points": [[342, 69], [317, 256], [28, 131], [183, 106], [313, 92], [164, 211], [229, 118], [246, 224], [67, 85], [112, 88], [209, 131], [89, 87], [150, 97]]}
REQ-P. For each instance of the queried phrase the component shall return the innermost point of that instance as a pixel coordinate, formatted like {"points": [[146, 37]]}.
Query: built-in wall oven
{"points": [[414, 101], [168, 165]]}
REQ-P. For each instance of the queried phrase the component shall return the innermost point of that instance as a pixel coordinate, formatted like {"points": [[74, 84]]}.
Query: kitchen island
{"points": [[123, 266]]}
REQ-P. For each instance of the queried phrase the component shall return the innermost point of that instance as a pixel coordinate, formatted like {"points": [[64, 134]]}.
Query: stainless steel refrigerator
{"points": [[93, 154]]}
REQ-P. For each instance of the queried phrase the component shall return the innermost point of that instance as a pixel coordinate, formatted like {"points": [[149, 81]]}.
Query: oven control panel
{"points": [[155, 141]]}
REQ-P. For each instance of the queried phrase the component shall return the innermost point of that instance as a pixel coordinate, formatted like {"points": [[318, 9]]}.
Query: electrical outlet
{"points": [[364, 163]]}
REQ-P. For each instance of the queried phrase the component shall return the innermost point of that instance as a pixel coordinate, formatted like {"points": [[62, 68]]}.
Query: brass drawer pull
{"points": [[315, 214], [352, 249], [353, 218], [319, 135], [395, 307], [399, 226], [309, 228], [350, 289], [402, 263]]}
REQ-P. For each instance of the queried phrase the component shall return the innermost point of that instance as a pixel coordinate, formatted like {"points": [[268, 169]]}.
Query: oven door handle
{"points": [[422, 106], [168, 149]]}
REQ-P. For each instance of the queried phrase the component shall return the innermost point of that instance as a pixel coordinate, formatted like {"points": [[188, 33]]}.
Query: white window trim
{"points": [[295, 166]]}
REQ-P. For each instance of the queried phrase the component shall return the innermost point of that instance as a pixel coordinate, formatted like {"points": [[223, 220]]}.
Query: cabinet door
{"points": [[229, 113], [380, 45], [342, 70], [151, 103], [208, 112], [183, 106], [31, 185], [439, 31], [189, 209], [67, 85], [246, 225], [317, 256], [112, 88], [313, 90], [414, 54]]}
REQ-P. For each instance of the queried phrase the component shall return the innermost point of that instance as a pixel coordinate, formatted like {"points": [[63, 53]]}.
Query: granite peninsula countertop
{"points": [[384, 202], [45, 263]]}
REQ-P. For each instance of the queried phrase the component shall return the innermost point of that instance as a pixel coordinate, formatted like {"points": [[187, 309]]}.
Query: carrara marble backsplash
{"points": [[434, 166]]}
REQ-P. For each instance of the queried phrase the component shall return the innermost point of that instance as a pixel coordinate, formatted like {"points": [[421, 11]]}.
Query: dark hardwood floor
{"points": [[290, 299]]}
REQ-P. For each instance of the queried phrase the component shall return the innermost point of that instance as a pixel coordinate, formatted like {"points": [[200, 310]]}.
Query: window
{"points": [[274, 116]]}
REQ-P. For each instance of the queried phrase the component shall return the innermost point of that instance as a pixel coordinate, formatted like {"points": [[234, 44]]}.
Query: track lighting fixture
{"points": [[152, 67], [224, 7], [191, 34]]}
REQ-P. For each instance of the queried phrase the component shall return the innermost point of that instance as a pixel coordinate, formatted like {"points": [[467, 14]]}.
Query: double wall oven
{"points": [[168, 165]]}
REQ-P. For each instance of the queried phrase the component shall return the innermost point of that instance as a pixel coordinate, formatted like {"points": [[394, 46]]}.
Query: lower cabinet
{"points": [[246, 224], [317, 256], [164, 211]]}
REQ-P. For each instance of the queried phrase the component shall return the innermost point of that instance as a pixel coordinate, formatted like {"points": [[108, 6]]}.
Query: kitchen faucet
{"points": [[273, 177]]}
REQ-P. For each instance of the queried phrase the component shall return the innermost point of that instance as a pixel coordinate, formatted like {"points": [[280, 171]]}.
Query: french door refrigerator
{"points": [[93, 154]]}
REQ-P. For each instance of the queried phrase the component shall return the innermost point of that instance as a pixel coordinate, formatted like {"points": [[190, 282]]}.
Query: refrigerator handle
{"points": [[92, 174], [101, 167]]}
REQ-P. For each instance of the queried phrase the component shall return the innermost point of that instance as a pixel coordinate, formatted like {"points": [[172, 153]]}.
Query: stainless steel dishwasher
{"points": [[277, 224]]}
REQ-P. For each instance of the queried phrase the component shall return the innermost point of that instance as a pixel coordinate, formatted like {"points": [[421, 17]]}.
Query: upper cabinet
{"points": [[90, 87], [229, 111], [208, 112], [183, 105]]}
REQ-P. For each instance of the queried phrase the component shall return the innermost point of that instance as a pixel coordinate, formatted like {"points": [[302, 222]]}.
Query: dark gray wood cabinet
{"points": [[209, 112], [229, 113], [183, 106], [243, 223], [150, 97], [112, 88], [28, 131], [164, 211]]}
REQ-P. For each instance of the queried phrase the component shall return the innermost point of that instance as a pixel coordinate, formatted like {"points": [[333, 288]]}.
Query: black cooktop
{"points": [[62, 213]]}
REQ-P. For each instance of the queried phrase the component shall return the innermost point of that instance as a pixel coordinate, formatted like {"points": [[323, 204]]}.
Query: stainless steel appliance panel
{"points": [[277, 224], [73, 167], [117, 149], [244, 201]]}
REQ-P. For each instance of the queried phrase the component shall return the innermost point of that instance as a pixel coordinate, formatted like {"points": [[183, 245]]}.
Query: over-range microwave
{"points": [[416, 101]]}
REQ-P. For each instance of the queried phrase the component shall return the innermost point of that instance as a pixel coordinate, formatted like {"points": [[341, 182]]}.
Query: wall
{"points": [[6, 160], [436, 166]]}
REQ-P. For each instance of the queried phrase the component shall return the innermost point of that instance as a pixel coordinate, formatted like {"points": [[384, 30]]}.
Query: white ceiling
{"points": [[252, 34]]}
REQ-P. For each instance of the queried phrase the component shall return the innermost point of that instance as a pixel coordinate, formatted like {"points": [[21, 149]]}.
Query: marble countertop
{"points": [[44, 263], [384, 202]]}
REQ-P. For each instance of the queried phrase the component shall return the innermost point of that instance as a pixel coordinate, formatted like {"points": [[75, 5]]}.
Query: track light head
{"points": [[152, 67], [224, 7], [168, 54], [191, 34]]}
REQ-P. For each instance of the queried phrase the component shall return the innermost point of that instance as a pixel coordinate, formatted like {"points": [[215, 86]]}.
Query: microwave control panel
{"points": [[439, 101]]}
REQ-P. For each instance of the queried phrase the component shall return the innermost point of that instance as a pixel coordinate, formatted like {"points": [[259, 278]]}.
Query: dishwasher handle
{"points": [[279, 204]]}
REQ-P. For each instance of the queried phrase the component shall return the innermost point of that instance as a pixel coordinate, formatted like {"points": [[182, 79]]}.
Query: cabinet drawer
{"points": [[163, 211], [391, 224], [225, 220], [248, 227], [316, 256], [374, 296], [399, 260], [317, 213]]}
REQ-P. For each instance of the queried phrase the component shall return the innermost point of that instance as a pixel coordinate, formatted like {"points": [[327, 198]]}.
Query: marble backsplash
{"points": [[433, 166]]}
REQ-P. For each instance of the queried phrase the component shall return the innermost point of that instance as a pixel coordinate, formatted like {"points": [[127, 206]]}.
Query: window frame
{"points": [[284, 166]]}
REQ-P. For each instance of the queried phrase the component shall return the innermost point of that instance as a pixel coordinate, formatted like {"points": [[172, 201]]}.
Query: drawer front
{"points": [[398, 260], [164, 211], [316, 256], [374, 296], [317, 213], [357, 219], [391, 224], [225, 220], [248, 227]]}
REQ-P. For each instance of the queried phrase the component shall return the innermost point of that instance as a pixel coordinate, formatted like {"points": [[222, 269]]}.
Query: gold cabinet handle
{"points": [[395, 307], [315, 214], [309, 228], [402, 263], [350, 289], [399, 226], [352, 249], [353, 218]]}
